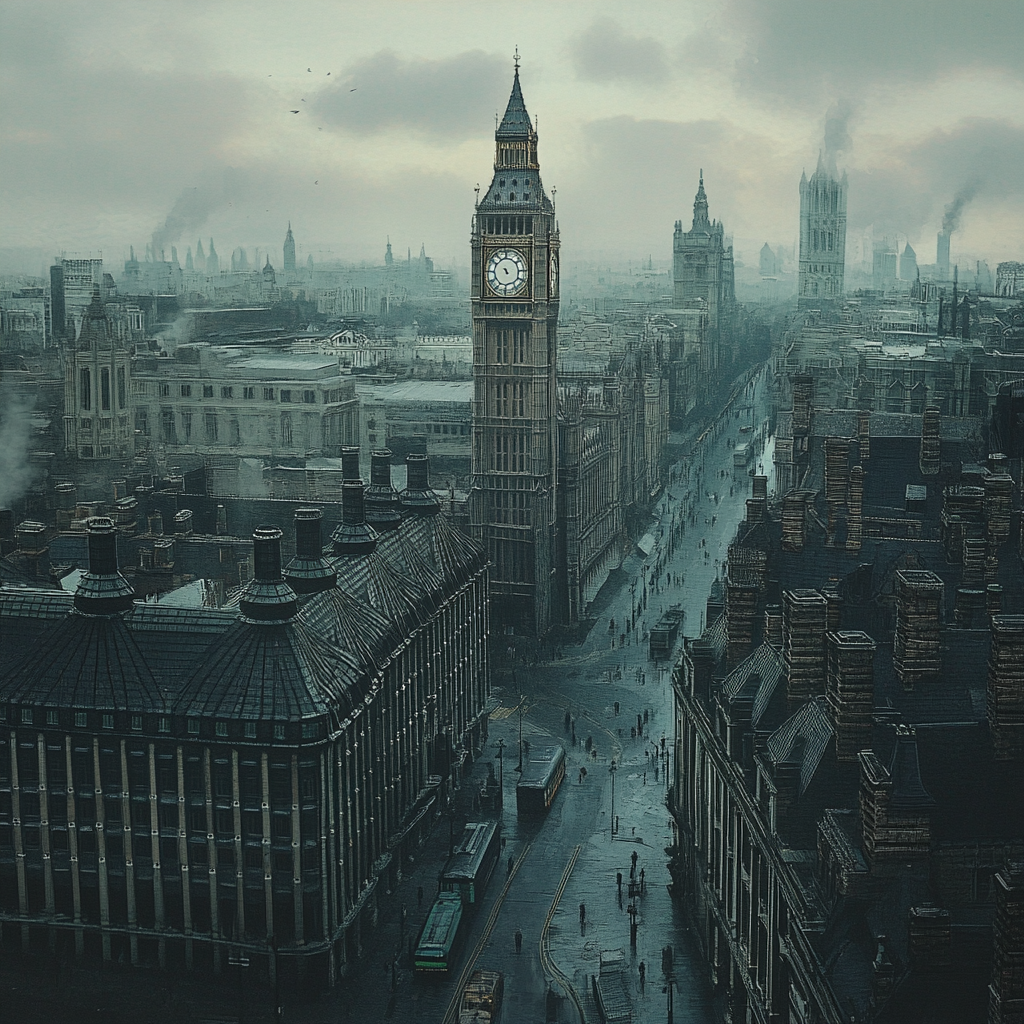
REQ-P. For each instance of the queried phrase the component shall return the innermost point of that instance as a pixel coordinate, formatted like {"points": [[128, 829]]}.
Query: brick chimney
{"points": [[1006, 991], [794, 521], [850, 690], [929, 938], [930, 442], [309, 572], [915, 653], [1005, 698], [864, 434], [855, 510], [804, 618], [895, 807]]}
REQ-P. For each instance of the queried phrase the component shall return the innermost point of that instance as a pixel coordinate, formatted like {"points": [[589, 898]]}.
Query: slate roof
{"points": [[758, 677], [516, 122], [803, 739]]}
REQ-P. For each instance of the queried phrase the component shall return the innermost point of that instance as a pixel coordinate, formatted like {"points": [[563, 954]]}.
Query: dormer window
{"points": [[511, 197]]}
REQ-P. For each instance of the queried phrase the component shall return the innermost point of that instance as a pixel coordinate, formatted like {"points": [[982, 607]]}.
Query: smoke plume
{"points": [[195, 205], [837, 135], [951, 218], [16, 472]]}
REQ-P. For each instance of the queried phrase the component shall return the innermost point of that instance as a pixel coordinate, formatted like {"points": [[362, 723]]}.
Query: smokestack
{"points": [[350, 462], [309, 572], [353, 535], [850, 690], [804, 621], [417, 497], [383, 506], [267, 598], [942, 256], [915, 651], [102, 590]]}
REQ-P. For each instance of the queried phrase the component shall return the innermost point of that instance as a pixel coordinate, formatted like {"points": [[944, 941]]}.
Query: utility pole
{"points": [[612, 769]]}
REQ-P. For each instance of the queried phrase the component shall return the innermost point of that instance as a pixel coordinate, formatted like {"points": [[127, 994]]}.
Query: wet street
{"points": [[607, 686]]}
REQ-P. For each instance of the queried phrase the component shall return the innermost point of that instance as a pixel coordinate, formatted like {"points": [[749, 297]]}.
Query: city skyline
{"points": [[128, 125]]}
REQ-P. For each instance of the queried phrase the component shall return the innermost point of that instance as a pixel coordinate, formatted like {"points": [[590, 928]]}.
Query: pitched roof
{"points": [[516, 121], [803, 739]]}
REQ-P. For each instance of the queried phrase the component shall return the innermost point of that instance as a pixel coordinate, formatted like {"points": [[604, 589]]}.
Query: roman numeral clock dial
{"points": [[506, 272]]}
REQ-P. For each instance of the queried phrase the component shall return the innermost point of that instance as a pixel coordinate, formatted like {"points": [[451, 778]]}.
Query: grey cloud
{"points": [[979, 158], [454, 98], [837, 128], [802, 51], [606, 52]]}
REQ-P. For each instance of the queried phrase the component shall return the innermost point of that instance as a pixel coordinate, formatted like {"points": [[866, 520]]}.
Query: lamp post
{"points": [[520, 768], [612, 769], [501, 774]]}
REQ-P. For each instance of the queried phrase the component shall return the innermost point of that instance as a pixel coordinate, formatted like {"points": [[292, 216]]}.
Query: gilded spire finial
{"points": [[515, 58]]}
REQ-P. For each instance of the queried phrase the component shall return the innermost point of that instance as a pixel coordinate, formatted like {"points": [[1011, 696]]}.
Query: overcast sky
{"points": [[118, 120]]}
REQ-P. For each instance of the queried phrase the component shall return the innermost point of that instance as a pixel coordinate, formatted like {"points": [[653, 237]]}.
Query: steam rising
{"points": [[837, 135], [951, 218], [16, 472]]}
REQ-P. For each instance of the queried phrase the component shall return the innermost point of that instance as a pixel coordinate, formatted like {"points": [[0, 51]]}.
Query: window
{"points": [[137, 723], [227, 391], [122, 389], [211, 427], [250, 730], [509, 453], [164, 725], [86, 424], [286, 428], [108, 721], [249, 393], [279, 730], [105, 387], [142, 422], [268, 394], [193, 727], [186, 390], [309, 730], [53, 717], [26, 716], [85, 388], [81, 720], [165, 390], [309, 397], [236, 431], [186, 423], [286, 395], [170, 435], [221, 729]]}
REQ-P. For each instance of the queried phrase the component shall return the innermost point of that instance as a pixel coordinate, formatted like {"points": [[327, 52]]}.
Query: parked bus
{"points": [[542, 775], [741, 456], [469, 867], [438, 945]]}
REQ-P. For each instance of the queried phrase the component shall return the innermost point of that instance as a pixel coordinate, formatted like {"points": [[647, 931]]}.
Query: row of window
{"points": [[305, 396], [510, 451], [507, 225], [250, 730], [510, 399], [509, 344], [87, 400]]}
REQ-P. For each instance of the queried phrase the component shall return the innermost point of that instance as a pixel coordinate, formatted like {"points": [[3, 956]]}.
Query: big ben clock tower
{"points": [[515, 324]]}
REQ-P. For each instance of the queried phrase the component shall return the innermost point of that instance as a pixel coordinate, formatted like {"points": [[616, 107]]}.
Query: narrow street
{"points": [[605, 686]]}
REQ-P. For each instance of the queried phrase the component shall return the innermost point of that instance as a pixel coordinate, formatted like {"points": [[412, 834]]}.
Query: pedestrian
{"points": [[645, 778], [583, 915], [643, 974], [511, 863], [581, 777], [419, 896], [519, 942], [618, 881], [633, 857], [568, 721], [643, 884], [645, 716]]}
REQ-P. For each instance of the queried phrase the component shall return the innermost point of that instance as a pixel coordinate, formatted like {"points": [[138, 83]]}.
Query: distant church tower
{"points": [[822, 235], [289, 252], [515, 338], [98, 411]]}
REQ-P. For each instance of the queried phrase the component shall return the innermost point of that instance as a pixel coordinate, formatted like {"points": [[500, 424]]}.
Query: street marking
{"points": [[545, 953], [453, 1007]]}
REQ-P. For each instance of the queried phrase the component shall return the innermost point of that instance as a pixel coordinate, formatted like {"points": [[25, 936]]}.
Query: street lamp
{"points": [[501, 774], [520, 768], [612, 769]]}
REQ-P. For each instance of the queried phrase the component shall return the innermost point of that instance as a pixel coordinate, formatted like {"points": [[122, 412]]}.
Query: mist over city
{"points": [[512, 514]]}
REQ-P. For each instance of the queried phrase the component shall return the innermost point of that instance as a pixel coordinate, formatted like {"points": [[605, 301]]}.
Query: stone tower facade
{"points": [[515, 322], [289, 251], [702, 264], [99, 419], [822, 235]]}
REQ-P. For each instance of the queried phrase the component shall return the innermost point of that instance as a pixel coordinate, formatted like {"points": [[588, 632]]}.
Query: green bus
{"points": [[438, 945]]}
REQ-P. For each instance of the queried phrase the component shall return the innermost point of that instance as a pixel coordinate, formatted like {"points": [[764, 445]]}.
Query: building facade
{"points": [[822, 235], [178, 786], [289, 253], [514, 295]]}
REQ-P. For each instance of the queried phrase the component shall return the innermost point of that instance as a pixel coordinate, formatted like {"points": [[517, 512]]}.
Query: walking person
{"points": [[643, 975], [519, 942], [583, 917], [511, 864]]}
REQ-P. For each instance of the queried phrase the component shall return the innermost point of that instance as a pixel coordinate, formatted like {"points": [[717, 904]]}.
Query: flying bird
{"points": [[294, 111], [310, 70], [353, 90]]}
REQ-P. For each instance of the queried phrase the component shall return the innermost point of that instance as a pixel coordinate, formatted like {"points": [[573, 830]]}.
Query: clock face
{"points": [[506, 272], [553, 273]]}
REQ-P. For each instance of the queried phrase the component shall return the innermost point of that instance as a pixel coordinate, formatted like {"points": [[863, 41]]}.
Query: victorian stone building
{"points": [[822, 235], [850, 740], [181, 785]]}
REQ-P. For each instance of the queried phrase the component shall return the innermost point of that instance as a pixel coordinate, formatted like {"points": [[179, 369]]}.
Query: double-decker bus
{"points": [[438, 945], [469, 867], [542, 775]]}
